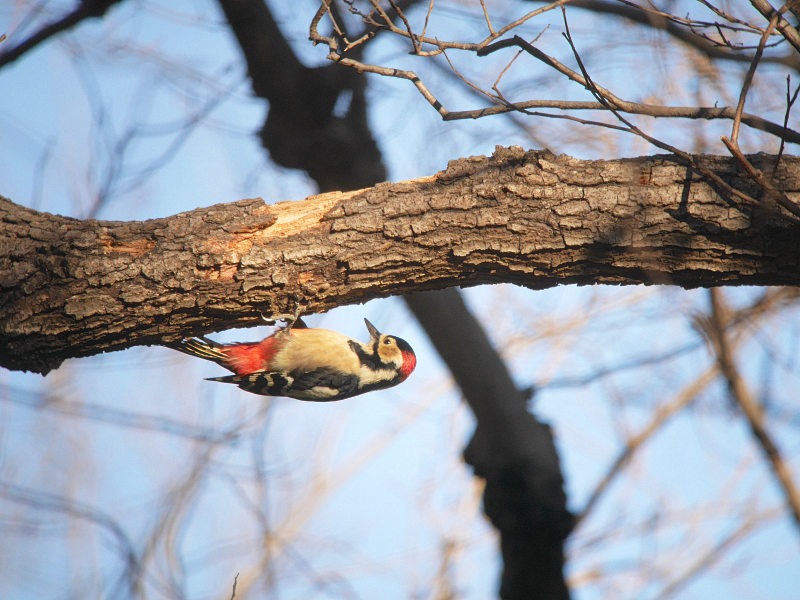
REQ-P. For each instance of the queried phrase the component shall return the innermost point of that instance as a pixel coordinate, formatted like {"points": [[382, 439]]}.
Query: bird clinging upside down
{"points": [[309, 364]]}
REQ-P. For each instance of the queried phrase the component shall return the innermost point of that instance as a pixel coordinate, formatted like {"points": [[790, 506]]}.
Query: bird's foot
{"points": [[291, 320]]}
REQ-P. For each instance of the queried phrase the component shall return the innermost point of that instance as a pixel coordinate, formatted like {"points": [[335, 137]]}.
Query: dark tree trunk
{"points": [[524, 495]]}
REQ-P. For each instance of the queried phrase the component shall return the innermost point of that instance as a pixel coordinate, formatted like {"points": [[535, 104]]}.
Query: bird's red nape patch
{"points": [[409, 362], [244, 359]]}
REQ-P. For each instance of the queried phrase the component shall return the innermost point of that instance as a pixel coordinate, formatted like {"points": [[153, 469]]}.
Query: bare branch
{"points": [[635, 108], [740, 394], [789, 33], [488, 20], [485, 48], [619, 104], [790, 100], [659, 419], [748, 79], [87, 9], [233, 587], [400, 14], [678, 29], [715, 553]]}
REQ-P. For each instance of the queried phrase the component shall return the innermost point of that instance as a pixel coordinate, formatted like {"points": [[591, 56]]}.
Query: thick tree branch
{"points": [[75, 288]]}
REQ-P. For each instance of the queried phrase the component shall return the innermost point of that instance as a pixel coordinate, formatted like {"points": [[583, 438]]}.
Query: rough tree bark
{"points": [[74, 288]]}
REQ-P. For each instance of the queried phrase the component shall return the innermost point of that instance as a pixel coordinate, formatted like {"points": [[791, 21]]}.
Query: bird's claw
{"points": [[288, 319]]}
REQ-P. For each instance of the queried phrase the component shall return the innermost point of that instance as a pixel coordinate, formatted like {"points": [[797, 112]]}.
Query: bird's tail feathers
{"points": [[202, 347], [225, 379]]}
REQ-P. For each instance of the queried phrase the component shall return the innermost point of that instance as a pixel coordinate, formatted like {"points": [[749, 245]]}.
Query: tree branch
{"points": [[789, 33], [750, 407], [503, 106], [76, 288], [645, 17], [634, 108], [87, 9]]}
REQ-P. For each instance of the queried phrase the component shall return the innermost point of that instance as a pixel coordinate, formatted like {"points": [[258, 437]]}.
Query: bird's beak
{"points": [[374, 334]]}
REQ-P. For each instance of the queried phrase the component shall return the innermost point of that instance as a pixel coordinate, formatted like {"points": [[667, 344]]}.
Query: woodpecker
{"points": [[309, 364]]}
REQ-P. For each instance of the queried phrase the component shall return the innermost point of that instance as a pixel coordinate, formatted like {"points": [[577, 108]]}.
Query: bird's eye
{"points": [[388, 341]]}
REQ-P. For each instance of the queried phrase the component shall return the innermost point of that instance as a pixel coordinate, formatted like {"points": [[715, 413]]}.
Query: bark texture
{"points": [[74, 288]]}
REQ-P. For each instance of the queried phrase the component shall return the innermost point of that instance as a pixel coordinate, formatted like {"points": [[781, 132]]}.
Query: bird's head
{"points": [[392, 351]]}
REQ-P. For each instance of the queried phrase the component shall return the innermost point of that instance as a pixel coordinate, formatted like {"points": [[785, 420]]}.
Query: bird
{"points": [[309, 363]]}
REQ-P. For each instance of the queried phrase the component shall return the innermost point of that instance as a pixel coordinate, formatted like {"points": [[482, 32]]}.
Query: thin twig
{"points": [[745, 26], [411, 35], [386, 18], [519, 22], [503, 72], [750, 407], [488, 20], [427, 19], [790, 99], [476, 88], [515, 57], [659, 419], [748, 78], [756, 175], [233, 589]]}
